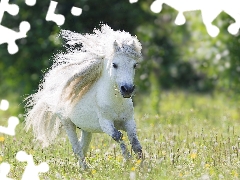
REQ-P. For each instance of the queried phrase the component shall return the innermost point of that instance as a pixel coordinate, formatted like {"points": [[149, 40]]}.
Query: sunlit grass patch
{"points": [[193, 137]]}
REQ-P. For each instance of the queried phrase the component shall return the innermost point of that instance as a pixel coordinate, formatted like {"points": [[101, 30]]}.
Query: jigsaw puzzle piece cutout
{"points": [[210, 10], [133, 1], [4, 105], [4, 170], [31, 171], [30, 2], [180, 19], [76, 11], [234, 28], [12, 123], [180, 6], [156, 6], [51, 16], [208, 16], [232, 8], [12, 9], [9, 36]]}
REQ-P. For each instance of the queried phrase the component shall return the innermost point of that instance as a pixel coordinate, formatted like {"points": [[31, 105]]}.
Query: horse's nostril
{"points": [[127, 89], [124, 89]]}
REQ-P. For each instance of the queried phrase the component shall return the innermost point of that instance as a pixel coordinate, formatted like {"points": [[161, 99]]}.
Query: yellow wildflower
{"points": [[2, 138], [133, 169], [31, 151], [207, 165], [234, 173], [193, 155], [0, 158], [94, 171], [138, 161], [119, 158]]}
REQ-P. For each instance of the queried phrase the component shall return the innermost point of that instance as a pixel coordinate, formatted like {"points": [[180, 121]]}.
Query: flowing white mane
{"points": [[72, 75], [100, 43]]}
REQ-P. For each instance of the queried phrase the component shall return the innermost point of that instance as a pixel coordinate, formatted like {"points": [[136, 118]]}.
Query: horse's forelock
{"points": [[128, 49]]}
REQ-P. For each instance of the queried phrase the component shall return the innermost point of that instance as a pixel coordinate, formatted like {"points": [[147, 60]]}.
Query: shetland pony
{"points": [[89, 88]]}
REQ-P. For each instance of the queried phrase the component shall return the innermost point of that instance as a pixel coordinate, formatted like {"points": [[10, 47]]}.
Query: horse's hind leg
{"points": [[85, 141], [70, 128]]}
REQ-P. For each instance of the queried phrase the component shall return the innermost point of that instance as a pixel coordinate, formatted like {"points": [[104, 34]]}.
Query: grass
{"points": [[192, 136]]}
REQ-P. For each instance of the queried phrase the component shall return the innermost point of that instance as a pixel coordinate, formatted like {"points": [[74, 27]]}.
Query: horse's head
{"points": [[122, 68]]}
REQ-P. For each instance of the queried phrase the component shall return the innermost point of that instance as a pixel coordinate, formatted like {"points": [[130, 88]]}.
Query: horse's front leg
{"points": [[108, 127], [130, 128]]}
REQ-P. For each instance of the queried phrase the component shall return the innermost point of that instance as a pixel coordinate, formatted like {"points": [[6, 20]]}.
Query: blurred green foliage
{"points": [[174, 56]]}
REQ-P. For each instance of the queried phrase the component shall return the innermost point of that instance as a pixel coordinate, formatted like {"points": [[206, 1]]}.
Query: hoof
{"points": [[127, 156], [125, 152], [84, 165], [140, 155]]}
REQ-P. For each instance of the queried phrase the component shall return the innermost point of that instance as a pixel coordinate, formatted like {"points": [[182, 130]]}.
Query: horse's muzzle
{"points": [[127, 90]]}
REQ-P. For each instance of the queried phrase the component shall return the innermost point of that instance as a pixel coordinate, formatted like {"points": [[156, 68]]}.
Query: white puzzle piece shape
{"points": [[76, 11], [4, 170], [30, 2], [209, 9], [7, 35], [31, 171], [51, 16], [12, 123], [12, 9], [4, 105]]}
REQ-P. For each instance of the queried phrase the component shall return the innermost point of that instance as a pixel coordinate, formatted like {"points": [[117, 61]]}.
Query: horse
{"points": [[210, 10], [88, 88]]}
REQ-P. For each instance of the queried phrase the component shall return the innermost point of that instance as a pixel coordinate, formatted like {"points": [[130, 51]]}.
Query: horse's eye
{"points": [[135, 65], [114, 65]]}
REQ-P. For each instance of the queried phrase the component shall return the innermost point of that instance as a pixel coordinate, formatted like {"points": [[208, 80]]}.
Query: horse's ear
{"points": [[116, 46], [134, 45]]}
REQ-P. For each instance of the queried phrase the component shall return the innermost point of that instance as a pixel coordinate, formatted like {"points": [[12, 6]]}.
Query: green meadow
{"points": [[189, 136], [184, 134]]}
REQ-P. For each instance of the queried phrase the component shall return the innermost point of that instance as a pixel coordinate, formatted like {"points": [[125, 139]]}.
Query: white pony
{"points": [[90, 89]]}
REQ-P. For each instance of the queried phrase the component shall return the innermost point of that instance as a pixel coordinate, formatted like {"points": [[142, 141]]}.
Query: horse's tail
{"points": [[45, 123]]}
